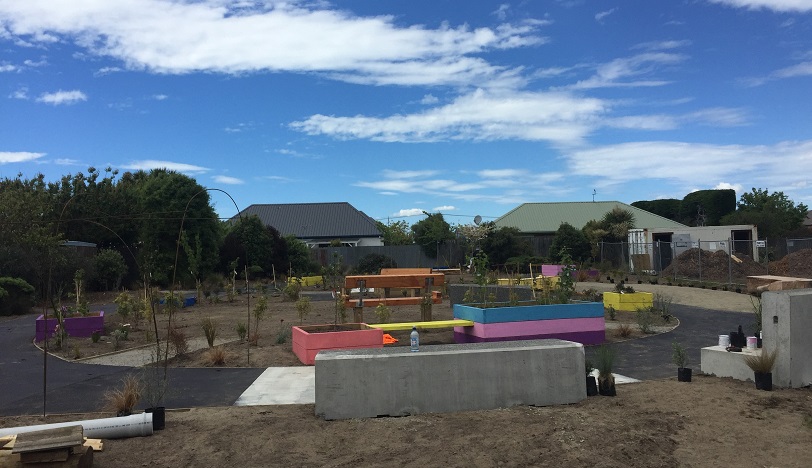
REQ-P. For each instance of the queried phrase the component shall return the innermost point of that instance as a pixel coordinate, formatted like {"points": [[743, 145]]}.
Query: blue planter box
{"points": [[522, 313]]}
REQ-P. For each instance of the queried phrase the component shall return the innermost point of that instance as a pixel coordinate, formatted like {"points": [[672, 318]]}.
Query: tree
{"points": [[617, 223], [260, 246], [395, 233], [300, 261], [774, 213], [666, 207], [110, 268], [711, 205], [432, 232], [574, 240], [503, 243]]}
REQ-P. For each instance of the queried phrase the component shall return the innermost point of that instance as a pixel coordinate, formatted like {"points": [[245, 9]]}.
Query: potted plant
{"points": [[680, 357], [605, 357], [762, 366], [755, 303], [123, 400], [154, 385], [591, 383]]}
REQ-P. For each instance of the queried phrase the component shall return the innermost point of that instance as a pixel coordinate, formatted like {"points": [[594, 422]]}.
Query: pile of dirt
{"points": [[797, 264], [713, 266]]}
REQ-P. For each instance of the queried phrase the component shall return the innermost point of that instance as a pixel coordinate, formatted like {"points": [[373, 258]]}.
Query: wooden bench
{"points": [[423, 325], [436, 298]]}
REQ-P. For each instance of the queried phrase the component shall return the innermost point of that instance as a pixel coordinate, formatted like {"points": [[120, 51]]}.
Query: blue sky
{"points": [[463, 107]]}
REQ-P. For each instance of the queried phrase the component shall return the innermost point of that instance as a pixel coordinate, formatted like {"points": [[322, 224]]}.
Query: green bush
{"points": [[16, 296], [371, 264]]}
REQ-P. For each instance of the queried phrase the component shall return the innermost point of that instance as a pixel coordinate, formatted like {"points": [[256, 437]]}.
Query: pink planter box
{"points": [[80, 327], [308, 340]]}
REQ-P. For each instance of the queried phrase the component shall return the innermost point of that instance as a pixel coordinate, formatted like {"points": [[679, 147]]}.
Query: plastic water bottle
{"points": [[414, 340]]}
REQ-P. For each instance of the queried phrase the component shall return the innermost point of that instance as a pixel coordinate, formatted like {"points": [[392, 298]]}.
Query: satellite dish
{"points": [[477, 219]]}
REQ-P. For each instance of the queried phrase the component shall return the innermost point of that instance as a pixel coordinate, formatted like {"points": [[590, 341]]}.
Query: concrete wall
{"points": [[787, 326], [448, 378]]}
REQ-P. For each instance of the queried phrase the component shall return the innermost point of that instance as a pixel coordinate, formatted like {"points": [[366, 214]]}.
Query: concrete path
{"points": [[281, 386]]}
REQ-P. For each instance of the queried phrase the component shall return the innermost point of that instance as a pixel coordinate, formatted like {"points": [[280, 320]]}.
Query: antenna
{"points": [[594, 192], [477, 219]]}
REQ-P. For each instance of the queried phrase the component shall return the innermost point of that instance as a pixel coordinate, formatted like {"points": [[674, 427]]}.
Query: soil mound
{"points": [[797, 264], [713, 266]]}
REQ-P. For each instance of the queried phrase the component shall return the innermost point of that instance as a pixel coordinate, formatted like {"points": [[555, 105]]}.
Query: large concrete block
{"points": [[787, 327], [448, 378], [716, 360]]}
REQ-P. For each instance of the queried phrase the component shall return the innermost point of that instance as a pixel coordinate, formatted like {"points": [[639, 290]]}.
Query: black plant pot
{"points": [[684, 374], [591, 386], [606, 387], [158, 417], [758, 342], [764, 381]]}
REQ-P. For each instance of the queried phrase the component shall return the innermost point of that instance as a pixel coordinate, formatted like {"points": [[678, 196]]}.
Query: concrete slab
{"points": [[281, 386], [716, 360]]}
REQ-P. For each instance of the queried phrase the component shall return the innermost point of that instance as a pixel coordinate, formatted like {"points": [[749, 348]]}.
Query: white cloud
{"points": [[62, 97], [609, 74], [429, 99], [693, 164], [662, 45], [160, 97], [296, 36], [66, 162], [221, 179], [444, 208], [6, 67], [148, 164], [798, 70], [502, 11], [107, 70], [21, 93], [7, 157], [393, 174], [409, 212], [557, 117], [775, 5], [603, 14], [726, 186]]}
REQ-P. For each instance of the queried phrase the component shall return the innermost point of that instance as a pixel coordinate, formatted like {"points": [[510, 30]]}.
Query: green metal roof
{"points": [[547, 217]]}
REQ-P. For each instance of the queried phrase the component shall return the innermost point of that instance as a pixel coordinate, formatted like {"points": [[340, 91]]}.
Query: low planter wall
{"points": [[628, 301], [524, 313], [308, 340], [447, 378], [80, 327]]}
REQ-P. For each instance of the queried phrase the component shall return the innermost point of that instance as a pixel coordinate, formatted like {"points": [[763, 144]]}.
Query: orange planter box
{"points": [[308, 340]]}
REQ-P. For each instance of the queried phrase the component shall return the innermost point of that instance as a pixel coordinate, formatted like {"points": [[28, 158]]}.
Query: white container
{"points": [[752, 341], [724, 341]]}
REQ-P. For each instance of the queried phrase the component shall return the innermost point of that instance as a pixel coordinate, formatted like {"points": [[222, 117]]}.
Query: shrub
{"points": [[371, 264], [612, 313], [210, 330], [16, 296], [216, 356], [645, 319], [678, 355], [283, 334], [242, 331], [624, 330], [110, 268], [383, 313], [303, 308], [762, 363], [177, 339], [605, 361], [292, 290], [123, 400], [118, 337], [95, 336]]}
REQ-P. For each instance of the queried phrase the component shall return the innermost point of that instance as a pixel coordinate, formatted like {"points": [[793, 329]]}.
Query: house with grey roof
{"points": [[540, 221], [319, 224]]}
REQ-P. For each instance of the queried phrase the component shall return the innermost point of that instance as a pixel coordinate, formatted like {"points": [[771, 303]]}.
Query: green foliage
{"points": [[242, 331], [300, 260], [431, 232], [341, 309], [395, 233], [666, 207], [774, 213], [566, 282], [210, 330], [16, 296], [503, 243], [259, 245], [259, 310], [645, 319], [284, 334], [479, 267], [292, 290], [762, 362], [110, 268], [605, 361], [333, 273], [521, 264], [574, 240], [383, 313], [371, 264], [755, 303], [678, 355], [715, 205], [612, 313], [303, 308], [125, 306]]}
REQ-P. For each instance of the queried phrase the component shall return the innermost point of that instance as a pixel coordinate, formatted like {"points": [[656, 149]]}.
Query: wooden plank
{"points": [[406, 271], [48, 439], [423, 325], [96, 444], [394, 281], [48, 456], [7, 442], [436, 298]]}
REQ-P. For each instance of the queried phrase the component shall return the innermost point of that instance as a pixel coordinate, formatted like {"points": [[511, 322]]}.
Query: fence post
{"points": [[699, 243], [729, 262]]}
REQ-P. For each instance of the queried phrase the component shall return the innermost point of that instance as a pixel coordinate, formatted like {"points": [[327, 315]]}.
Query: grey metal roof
{"points": [[547, 217], [315, 220]]}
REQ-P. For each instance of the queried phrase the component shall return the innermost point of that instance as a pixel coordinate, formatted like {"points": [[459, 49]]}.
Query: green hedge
{"points": [[16, 296]]}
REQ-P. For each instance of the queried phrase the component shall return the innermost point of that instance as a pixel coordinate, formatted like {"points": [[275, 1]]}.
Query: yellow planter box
{"points": [[307, 280], [515, 281], [546, 283], [628, 301]]}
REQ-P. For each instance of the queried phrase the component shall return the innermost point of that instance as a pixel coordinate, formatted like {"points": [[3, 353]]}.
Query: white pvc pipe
{"points": [[135, 425]]}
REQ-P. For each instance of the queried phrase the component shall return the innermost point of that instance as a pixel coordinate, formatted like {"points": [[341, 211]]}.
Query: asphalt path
{"points": [[79, 388]]}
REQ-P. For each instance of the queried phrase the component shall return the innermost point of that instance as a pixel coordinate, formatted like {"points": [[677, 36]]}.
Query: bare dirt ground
{"points": [[666, 423], [656, 423]]}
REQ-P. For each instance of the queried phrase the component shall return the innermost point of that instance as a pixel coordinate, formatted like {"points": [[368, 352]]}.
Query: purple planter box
{"points": [[81, 327]]}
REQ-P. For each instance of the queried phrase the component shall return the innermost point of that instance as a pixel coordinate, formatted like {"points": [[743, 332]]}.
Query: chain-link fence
{"points": [[714, 262]]}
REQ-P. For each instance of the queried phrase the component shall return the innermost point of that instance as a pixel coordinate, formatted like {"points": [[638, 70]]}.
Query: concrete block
{"points": [[787, 327], [448, 378], [715, 360]]}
